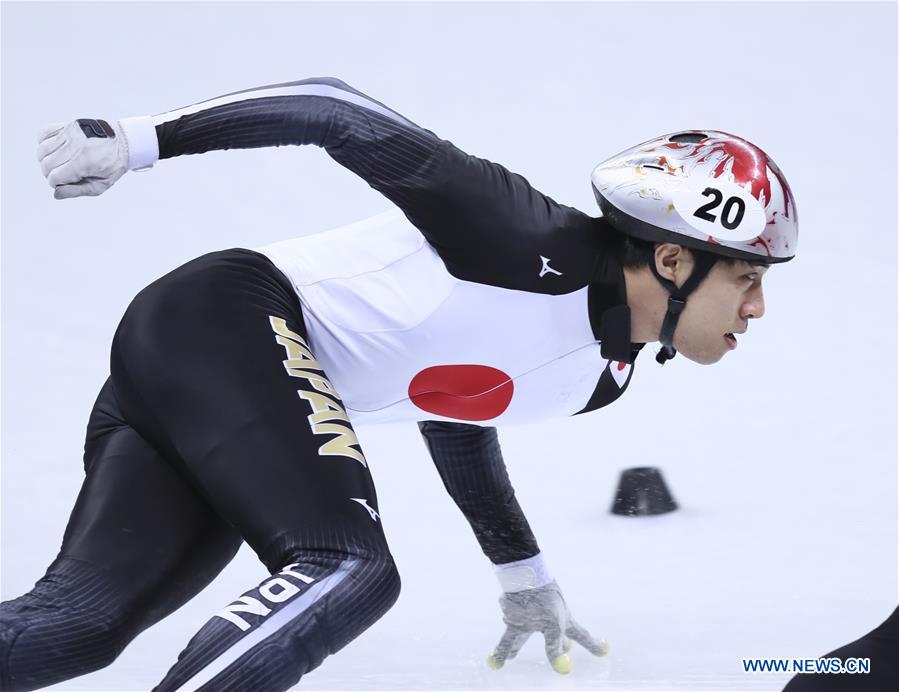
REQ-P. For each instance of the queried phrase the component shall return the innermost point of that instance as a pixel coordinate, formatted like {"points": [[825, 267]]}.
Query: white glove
{"points": [[532, 602], [542, 610], [86, 156]]}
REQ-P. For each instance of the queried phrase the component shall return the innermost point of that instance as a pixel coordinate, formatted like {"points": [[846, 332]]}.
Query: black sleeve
{"points": [[392, 154], [470, 463], [470, 209]]}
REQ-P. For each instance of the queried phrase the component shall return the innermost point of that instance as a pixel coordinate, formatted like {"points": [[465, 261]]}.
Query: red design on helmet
{"points": [[704, 189]]}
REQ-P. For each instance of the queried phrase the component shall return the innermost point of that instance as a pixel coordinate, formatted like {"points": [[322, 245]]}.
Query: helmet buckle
{"points": [[676, 305]]}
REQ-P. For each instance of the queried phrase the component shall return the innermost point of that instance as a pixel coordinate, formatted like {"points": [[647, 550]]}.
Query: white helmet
{"points": [[703, 189]]}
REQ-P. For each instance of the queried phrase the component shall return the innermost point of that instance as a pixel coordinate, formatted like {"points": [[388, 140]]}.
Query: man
{"points": [[237, 378]]}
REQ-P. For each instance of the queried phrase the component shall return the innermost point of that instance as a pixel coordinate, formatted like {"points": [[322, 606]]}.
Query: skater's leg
{"points": [[139, 543], [219, 373]]}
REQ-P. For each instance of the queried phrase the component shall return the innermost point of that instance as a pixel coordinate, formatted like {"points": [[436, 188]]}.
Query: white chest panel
{"points": [[402, 339]]}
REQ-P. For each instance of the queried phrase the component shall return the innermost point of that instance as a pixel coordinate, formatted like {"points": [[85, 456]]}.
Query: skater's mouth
{"points": [[730, 340]]}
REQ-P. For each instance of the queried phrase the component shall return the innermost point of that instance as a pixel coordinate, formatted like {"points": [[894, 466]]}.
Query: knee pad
{"points": [[369, 588], [66, 626]]}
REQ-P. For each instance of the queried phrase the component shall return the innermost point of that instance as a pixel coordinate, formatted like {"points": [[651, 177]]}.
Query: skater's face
{"points": [[719, 310]]}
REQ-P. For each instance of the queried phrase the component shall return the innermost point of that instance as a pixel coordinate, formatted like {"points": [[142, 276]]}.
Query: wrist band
{"points": [[530, 573], [143, 146]]}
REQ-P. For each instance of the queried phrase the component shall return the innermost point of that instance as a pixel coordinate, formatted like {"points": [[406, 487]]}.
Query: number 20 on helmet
{"points": [[703, 189]]}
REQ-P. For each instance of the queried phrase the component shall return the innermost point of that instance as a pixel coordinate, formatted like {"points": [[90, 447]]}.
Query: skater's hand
{"points": [[83, 157], [542, 610]]}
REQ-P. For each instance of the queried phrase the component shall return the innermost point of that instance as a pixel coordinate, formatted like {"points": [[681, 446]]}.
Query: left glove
{"points": [[86, 157], [543, 610]]}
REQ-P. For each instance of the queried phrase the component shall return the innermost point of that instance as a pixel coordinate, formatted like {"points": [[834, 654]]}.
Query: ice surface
{"points": [[783, 456]]}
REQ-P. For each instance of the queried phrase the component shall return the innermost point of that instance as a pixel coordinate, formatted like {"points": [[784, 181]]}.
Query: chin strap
{"points": [[677, 301]]}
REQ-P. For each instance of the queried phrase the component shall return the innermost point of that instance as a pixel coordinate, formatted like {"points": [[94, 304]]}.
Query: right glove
{"points": [[86, 157]]}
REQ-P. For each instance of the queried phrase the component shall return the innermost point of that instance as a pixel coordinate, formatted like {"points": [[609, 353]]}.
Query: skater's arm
{"points": [[381, 146], [471, 466], [470, 209], [470, 463]]}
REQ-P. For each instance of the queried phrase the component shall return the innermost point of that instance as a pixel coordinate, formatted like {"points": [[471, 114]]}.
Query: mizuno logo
{"points": [[374, 515], [546, 268]]}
